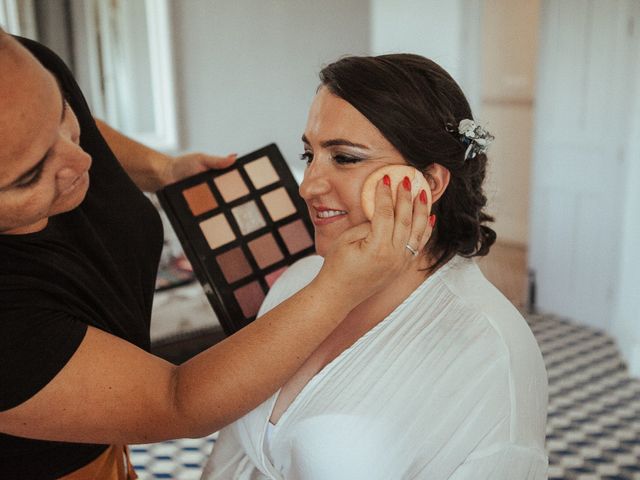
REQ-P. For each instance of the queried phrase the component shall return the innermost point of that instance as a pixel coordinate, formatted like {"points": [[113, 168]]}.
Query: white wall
{"points": [[626, 318], [431, 28], [247, 71], [509, 50], [584, 220]]}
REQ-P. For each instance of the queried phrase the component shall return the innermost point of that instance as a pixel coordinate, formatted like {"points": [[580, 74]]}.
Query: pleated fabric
{"points": [[450, 385]]}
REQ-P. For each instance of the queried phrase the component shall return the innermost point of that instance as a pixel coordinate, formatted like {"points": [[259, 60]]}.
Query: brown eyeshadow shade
{"points": [[278, 204], [273, 276], [265, 250], [261, 172], [234, 265], [295, 236], [249, 297], [200, 199], [216, 231], [248, 217], [231, 186]]}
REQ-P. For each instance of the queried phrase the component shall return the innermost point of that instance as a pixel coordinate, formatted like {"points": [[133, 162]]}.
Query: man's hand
{"points": [[190, 164]]}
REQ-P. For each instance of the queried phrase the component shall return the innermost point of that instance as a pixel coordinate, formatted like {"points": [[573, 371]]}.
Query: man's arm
{"points": [[151, 170]]}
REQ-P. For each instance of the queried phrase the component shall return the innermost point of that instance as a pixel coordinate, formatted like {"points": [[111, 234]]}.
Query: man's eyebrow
{"points": [[40, 165], [336, 142]]}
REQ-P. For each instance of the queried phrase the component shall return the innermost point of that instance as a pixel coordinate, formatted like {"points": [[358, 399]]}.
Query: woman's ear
{"points": [[438, 178]]}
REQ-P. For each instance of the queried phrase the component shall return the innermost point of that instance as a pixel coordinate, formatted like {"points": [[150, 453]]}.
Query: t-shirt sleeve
{"points": [[503, 462], [35, 344]]}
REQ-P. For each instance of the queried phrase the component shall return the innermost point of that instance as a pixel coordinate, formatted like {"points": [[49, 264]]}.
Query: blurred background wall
{"points": [[556, 81]]}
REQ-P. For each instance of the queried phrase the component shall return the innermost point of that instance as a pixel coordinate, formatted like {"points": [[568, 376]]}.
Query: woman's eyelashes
{"points": [[306, 157], [339, 158]]}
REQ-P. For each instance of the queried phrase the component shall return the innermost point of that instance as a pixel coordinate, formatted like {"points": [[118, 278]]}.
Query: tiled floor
{"points": [[593, 427]]}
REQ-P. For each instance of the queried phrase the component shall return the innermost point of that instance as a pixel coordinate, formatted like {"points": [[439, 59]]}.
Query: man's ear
{"points": [[438, 178]]}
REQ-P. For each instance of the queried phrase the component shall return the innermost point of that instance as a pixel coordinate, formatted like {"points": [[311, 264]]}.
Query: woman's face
{"points": [[43, 170], [341, 148]]}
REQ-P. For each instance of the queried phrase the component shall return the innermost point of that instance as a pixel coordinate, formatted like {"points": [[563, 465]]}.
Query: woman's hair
{"points": [[417, 106]]}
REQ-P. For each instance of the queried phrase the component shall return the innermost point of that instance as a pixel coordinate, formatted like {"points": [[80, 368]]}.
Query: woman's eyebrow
{"points": [[340, 142]]}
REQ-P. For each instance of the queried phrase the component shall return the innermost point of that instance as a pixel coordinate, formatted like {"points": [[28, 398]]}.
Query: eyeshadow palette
{"points": [[240, 227]]}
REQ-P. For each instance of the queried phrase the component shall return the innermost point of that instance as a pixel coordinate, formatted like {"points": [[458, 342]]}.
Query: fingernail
{"points": [[423, 197], [406, 183], [386, 180], [432, 220]]}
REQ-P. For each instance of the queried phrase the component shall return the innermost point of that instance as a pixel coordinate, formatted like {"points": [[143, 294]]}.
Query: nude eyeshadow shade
{"points": [[240, 227], [295, 236]]}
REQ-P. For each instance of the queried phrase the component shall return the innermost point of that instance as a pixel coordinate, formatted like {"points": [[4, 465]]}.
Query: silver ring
{"points": [[413, 251]]}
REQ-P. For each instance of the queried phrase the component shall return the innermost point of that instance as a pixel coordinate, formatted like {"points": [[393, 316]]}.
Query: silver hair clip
{"points": [[476, 138]]}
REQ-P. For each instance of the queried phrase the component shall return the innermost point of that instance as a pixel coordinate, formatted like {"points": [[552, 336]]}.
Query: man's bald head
{"points": [[3, 37], [5, 48]]}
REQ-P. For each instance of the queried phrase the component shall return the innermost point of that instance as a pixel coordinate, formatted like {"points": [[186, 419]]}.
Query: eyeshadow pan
{"points": [[231, 186], [248, 217], [217, 231], [278, 204], [249, 298], [273, 276], [295, 236], [200, 199], [261, 172], [265, 250], [234, 265]]}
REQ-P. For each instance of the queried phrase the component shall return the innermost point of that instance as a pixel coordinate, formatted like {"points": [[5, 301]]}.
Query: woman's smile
{"points": [[321, 215]]}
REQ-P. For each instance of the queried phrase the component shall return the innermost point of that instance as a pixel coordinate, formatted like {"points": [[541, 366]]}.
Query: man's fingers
{"points": [[213, 161]]}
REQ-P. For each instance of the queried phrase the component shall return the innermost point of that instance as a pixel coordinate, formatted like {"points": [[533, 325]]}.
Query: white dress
{"points": [[451, 385]]}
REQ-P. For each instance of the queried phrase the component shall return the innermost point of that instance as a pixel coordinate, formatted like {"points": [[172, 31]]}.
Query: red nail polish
{"points": [[386, 180], [406, 183], [423, 197], [432, 220]]}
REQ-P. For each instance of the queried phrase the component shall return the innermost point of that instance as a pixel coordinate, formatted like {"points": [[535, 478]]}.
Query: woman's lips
{"points": [[324, 216]]}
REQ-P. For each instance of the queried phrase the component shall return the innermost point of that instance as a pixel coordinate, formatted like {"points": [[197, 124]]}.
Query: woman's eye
{"points": [[307, 157], [346, 159]]}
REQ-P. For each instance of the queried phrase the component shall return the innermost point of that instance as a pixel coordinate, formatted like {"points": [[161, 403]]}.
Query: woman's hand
{"points": [[369, 256]]}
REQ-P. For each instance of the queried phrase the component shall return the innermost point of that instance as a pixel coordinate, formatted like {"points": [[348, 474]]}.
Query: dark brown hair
{"points": [[416, 104]]}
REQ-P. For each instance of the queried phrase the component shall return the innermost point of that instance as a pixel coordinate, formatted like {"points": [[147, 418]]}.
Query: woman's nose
{"points": [[315, 182]]}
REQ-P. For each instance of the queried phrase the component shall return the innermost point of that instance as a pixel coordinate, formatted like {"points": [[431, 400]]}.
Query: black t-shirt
{"points": [[95, 265]]}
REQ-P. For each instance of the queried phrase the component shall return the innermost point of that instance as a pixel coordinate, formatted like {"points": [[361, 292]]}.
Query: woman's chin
{"points": [[321, 247]]}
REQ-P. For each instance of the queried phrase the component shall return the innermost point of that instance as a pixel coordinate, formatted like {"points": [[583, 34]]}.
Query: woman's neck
{"points": [[377, 307], [382, 303]]}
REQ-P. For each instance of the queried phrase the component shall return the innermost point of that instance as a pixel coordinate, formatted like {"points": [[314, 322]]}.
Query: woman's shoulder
{"points": [[487, 308], [295, 278], [467, 286]]}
